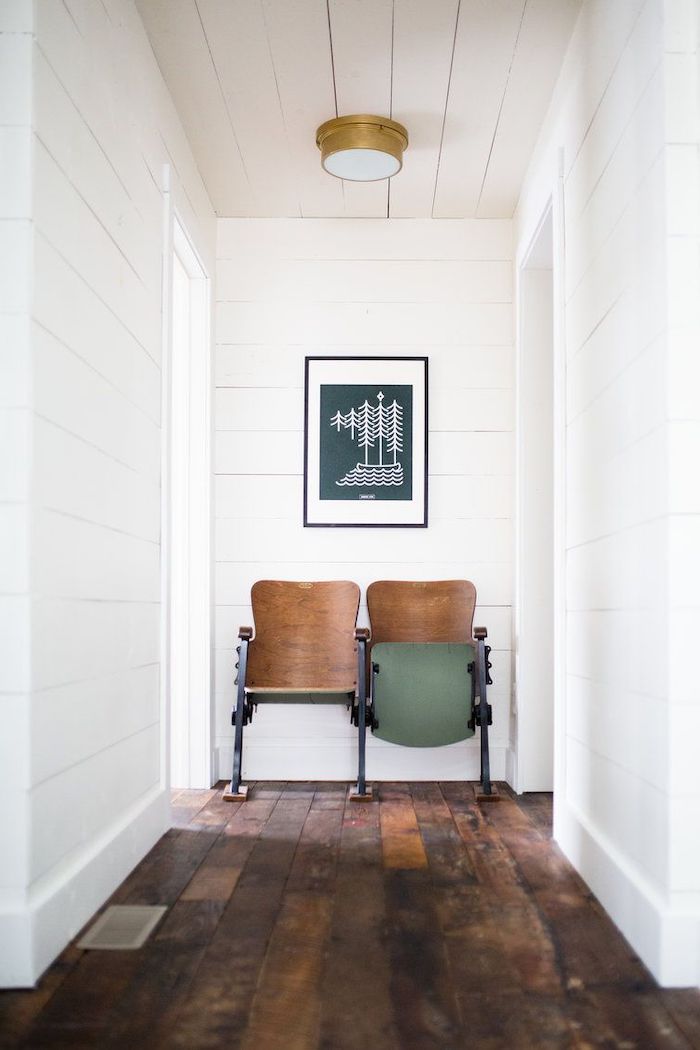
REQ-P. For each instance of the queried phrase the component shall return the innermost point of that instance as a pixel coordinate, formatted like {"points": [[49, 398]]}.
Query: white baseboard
{"points": [[16, 967], [336, 760], [35, 930], [511, 773], [665, 936]]}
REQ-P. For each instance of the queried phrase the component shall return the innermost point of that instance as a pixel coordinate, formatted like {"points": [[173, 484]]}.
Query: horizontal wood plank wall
{"points": [[615, 437], [682, 160], [291, 288], [16, 28], [625, 115], [104, 127]]}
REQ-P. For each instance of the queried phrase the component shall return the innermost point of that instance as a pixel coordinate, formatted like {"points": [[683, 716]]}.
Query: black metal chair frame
{"points": [[482, 713], [242, 715]]}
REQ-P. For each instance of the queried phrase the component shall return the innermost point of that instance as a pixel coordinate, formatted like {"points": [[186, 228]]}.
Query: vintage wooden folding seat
{"points": [[429, 670], [306, 649]]}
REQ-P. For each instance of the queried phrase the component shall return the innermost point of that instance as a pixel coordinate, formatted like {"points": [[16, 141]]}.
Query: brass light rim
{"points": [[362, 131], [368, 123]]}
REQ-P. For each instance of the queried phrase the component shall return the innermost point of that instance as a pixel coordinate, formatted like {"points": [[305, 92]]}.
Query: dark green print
{"points": [[366, 447]]}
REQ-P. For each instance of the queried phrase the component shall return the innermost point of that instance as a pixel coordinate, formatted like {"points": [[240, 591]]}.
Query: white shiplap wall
{"points": [[16, 27], [682, 162], [612, 116], [290, 288], [104, 128]]}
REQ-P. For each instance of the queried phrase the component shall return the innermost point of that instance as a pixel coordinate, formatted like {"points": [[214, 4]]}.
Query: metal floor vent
{"points": [[123, 926]]}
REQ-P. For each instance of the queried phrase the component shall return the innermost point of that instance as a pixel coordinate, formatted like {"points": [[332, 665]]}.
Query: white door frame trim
{"points": [[553, 206], [559, 437], [191, 574]]}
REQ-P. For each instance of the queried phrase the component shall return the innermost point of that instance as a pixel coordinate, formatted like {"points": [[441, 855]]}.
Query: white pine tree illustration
{"points": [[345, 422], [366, 427], [377, 426], [381, 424], [394, 428]]}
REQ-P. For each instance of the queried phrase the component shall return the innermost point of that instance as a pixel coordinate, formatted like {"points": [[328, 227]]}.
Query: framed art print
{"points": [[366, 442]]}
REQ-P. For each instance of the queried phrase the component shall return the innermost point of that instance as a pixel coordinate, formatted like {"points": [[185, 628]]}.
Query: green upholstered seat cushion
{"points": [[422, 693]]}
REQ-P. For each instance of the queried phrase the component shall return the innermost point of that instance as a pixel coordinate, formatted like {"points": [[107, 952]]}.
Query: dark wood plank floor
{"points": [[298, 921]]}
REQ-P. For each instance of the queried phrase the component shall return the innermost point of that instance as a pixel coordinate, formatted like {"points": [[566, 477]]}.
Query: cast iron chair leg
{"points": [[472, 717], [487, 790], [360, 792], [484, 720], [235, 791]]}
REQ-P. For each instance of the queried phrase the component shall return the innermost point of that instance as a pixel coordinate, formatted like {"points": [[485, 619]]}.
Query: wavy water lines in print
{"points": [[372, 475]]}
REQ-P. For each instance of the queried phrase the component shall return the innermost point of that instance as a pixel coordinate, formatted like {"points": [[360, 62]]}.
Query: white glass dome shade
{"points": [[362, 148]]}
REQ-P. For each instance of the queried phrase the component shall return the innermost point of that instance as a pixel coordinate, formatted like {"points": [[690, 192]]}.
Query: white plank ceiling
{"points": [[253, 79]]}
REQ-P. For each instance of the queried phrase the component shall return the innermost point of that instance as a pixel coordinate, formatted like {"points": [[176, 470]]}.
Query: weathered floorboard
{"points": [[217, 1007], [356, 1006]]}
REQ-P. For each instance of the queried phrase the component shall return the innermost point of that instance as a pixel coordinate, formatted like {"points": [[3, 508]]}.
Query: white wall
{"points": [[290, 288], [681, 63], [629, 714], [16, 24], [104, 128]]}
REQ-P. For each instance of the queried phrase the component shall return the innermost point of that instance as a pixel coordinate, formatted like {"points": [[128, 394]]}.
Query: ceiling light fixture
{"points": [[362, 148]]}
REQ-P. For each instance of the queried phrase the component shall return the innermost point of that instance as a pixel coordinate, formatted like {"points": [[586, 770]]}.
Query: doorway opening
{"points": [[187, 519], [534, 625]]}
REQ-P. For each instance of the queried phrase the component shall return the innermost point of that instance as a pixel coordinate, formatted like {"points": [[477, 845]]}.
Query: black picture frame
{"points": [[366, 442]]}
